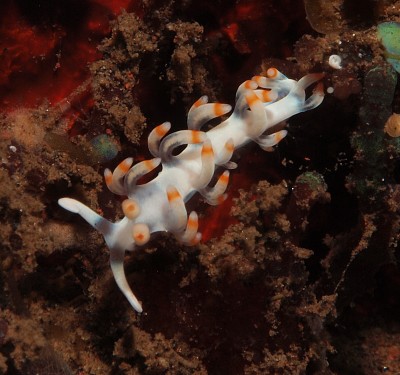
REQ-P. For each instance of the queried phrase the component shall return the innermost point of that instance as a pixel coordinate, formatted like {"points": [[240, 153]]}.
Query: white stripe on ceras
{"points": [[241, 104], [114, 180], [155, 137], [177, 213], [201, 112], [139, 170], [192, 114], [270, 140], [215, 195], [226, 153], [266, 96], [279, 88], [182, 137], [181, 171], [258, 114], [190, 235], [207, 166]]}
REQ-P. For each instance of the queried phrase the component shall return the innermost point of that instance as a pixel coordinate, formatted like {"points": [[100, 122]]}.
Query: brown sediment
{"points": [[305, 281]]}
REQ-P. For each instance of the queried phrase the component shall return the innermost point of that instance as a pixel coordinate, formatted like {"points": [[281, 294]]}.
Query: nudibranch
{"points": [[159, 205]]}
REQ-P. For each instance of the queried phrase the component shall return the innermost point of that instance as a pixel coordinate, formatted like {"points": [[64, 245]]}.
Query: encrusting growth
{"points": [[159, 205]]}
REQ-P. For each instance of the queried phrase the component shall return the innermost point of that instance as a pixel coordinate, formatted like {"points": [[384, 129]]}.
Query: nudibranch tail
{"points": [[117, 268], [159, 204]]}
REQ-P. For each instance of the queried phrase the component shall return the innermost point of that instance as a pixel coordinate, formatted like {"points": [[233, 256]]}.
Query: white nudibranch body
{"points": [[159, 205]]}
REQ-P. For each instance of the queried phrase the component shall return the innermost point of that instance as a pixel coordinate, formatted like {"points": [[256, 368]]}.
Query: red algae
{"points": [[45, 56], [114, 7]]}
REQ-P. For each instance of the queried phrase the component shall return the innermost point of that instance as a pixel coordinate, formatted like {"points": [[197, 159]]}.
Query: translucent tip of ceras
{"points": [[130, 208], [274, 73], [140, 234]]}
